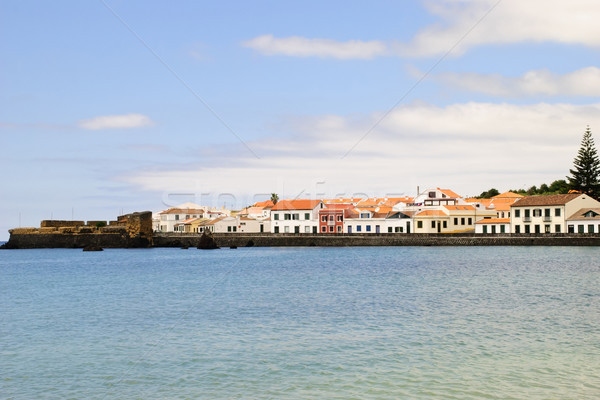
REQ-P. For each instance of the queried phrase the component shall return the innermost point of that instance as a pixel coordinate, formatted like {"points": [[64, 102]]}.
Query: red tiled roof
{"points": [[551, 200], [449, 193], [432, 213], [494, 221], [295, 205], [266, 203], [459, 208], [508, 195]]}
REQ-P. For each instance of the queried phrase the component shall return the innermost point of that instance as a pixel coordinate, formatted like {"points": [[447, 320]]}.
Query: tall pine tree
{"points": [[586, 172]]}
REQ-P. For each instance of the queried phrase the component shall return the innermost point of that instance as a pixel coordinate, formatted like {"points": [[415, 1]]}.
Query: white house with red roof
{"points": [[296, 216]]}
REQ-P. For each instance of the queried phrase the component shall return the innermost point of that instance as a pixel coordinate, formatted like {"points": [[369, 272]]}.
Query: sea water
{"points": [[301, 323]]}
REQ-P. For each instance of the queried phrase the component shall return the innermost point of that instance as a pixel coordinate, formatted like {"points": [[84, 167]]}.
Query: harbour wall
{"points": [[279, 240]]}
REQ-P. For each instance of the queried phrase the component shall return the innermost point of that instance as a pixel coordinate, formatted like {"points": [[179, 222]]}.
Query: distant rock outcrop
{"points": [[207, 241]]}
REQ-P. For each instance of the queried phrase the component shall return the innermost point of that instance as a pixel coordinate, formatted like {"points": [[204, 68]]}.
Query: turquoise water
{"points": [[301, 323]]}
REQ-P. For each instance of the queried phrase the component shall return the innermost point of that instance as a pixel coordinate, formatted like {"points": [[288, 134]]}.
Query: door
{"points": [[296, 229], [262, 228], [377, 229], [349, 228], [439, 227], [408, 227]]}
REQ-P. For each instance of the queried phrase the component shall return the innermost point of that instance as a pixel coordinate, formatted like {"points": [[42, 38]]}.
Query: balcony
{"points": [[526, 219], [547, 218]]}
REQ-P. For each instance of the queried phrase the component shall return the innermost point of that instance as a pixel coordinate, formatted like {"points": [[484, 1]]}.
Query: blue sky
{"points": [[110, 106]]}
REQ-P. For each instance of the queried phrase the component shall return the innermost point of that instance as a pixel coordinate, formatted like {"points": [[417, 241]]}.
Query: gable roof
{"points": [[581, 214], [508, 195], [494, 221], [183, 211], [266, 203], [295, 205], [449, 193], [431, 213], [550, 200], [459, 208]]}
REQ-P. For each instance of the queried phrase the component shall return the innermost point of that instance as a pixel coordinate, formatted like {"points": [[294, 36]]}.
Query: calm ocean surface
{"points": [[301, 323]]}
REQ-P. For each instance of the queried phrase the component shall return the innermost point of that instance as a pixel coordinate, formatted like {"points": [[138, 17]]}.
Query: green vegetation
{"points": [[557, 187], [489, 194], [274, 198], [586, 172], [100, 224]]}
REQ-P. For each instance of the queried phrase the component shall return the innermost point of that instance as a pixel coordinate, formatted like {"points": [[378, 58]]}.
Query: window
{"points": [[228, 229], [323, 229], [286, 229], [571, 229], [580, 228], [389, 229], [187, 216], [339, 229], [331, 229], [590, 228], [445, 224], [331, 218], [358, 228], [517, 213], [547, 212], [287, 217], [462, 221], [431, 195], [399, 229], [340, 218], [295, 217], [307, 229], [276, 229], [546, 228], [470, 221], [527, 213], [307, 216], [557, 212], [276, 217], [323, 218], [537, 212], [176, 217], [364, 215], [517, 228], [419, 224], [557, 228], [368, 228], [433, 224], [455, 221]]}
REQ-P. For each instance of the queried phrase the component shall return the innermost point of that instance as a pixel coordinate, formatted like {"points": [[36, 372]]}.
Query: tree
{"points": [[274, 198], [489, 194], [586, 171], [559, 187]]}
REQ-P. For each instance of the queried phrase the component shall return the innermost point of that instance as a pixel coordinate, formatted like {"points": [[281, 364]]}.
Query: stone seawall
{"points": [[68, 241], [276, 240]]}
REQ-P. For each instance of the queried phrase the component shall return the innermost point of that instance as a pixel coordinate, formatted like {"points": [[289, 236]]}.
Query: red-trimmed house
{"points": [[331, 218]]}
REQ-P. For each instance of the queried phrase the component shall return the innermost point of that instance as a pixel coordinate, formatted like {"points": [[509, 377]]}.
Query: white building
{"points": [[493, 226], [296, 216], [547, 214], [586, 220]]}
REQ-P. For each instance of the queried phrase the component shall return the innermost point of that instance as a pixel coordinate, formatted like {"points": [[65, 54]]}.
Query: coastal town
{"points": [[432, 211]]}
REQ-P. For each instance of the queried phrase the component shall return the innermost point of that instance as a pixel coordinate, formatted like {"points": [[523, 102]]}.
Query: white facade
{"points": [[493, 226], [547, 214], [296, 216], [586, 221]]}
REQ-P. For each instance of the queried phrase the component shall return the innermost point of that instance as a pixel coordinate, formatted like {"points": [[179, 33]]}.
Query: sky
{"points": [[114, 106]]}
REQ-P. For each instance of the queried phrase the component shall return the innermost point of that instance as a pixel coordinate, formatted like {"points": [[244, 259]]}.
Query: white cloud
{"points": [[461, 25], [583, 82], [116, 122], [510, 21], [297, 46], [469, 147]]}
